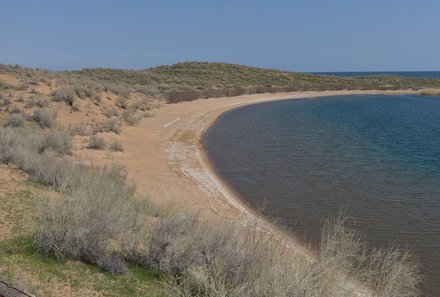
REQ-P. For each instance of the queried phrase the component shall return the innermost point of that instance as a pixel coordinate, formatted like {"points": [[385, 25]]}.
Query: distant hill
{"points": [[192, 80]]}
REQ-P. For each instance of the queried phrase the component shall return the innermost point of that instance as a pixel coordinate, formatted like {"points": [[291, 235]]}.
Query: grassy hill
{"points": [[192, 80]]}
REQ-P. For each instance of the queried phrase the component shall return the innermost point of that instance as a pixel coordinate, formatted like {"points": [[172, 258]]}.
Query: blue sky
{"points": [[314, 35]]}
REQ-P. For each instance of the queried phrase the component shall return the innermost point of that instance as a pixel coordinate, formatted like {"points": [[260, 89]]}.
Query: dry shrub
{"points": [[5, 101], [430, 92], [8, 144], [38, 101], [389, 272], [57, 141], [122, 102], [96, 143], [79, 129], [110, 112], [120, 90], [23, 147], [227, 259], [142, 104], [175, 96], [112, 125], [131, 117], [116, 146], [89, 221], [66, 95], [15, 120], [45, 117], [14, 109]]}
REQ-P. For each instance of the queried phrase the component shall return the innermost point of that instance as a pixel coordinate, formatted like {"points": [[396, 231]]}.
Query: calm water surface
{"points": [[376, 157]]}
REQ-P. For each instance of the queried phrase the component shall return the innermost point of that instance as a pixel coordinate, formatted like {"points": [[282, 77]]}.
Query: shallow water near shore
{"points": [[376, 157]]}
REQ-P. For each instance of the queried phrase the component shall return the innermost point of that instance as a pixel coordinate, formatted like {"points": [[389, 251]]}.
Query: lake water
{"points": [[376, 157]]}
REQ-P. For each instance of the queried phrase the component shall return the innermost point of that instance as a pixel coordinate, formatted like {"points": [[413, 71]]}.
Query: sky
{"points": [[308, 36]]}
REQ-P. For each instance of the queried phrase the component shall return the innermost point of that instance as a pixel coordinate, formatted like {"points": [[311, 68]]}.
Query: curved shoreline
{"points": [[166, 157]]}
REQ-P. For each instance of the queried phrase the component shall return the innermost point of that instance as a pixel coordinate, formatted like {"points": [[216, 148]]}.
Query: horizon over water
{"points": [[376, 157]]}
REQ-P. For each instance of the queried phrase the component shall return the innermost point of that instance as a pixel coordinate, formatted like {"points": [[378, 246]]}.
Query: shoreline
{"points": [[166, 157]]}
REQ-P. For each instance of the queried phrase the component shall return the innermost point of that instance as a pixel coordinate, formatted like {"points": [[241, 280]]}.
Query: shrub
{"points": [[15, 120], [112, 125], [175, 96], [8, 143], [142, 104], [130, 117], [430, 92], [64, 95], [122, 102], [39, 101], [5, 101], [20, 98], [97, 143], [20, 146], [45, 117], [14, 109], [110, 112], [116, 146], [57, 141], [79, 129], [87, 221]]}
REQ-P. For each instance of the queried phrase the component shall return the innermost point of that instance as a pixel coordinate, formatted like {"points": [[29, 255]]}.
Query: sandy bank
{"points": [[165, 156]]}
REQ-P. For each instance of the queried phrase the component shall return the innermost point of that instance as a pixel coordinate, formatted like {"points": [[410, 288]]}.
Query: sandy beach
{"points": [[166, 158]]}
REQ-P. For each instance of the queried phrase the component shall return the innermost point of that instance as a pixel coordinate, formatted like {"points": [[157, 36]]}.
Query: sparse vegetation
{"points": [[79, 129], [116, 146], [96, 143], [57, 141], [112, 125], [45, 117], [64, 95], [15, 120], [130, 117], [430, 92]]}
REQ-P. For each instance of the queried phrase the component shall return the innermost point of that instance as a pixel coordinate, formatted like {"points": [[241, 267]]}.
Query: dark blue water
{"points": [[376, 157], [412, 74]]}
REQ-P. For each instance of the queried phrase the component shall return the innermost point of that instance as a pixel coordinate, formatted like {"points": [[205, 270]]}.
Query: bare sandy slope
{"points": [[165, 156]]}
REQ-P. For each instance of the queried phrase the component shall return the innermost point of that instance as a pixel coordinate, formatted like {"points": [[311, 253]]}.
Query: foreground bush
{"points": [[88, 222]]}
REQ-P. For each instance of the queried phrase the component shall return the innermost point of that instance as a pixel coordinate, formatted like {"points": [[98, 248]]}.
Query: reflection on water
{"points": [[376, 157]]}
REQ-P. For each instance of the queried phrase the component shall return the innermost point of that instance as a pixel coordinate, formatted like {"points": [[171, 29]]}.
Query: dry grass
{"points": [[430, 92], [97, 143]]}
